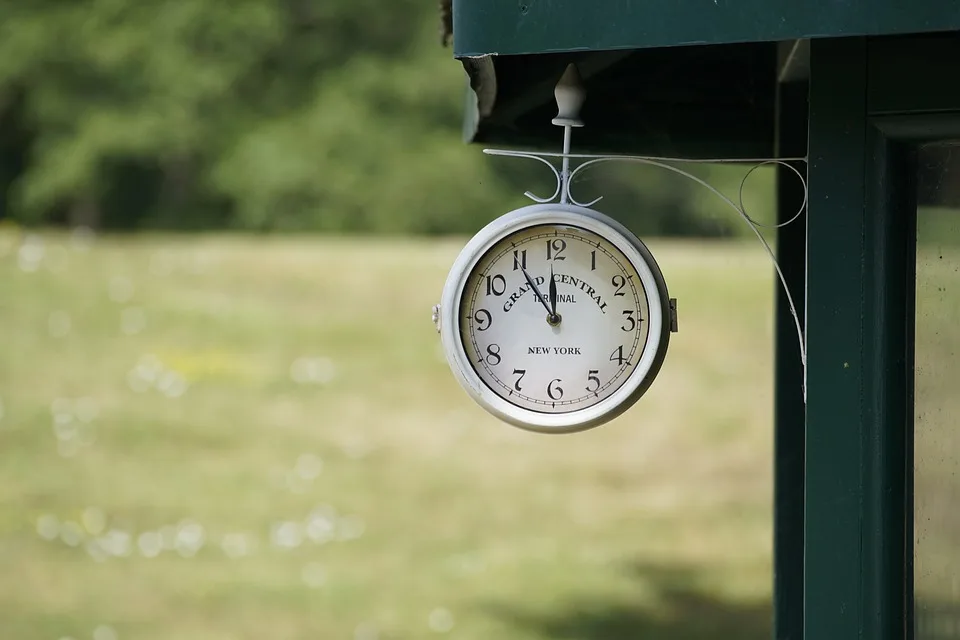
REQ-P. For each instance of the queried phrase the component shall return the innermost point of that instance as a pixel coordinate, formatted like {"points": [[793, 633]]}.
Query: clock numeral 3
{"points": [[519, 259], [630, 323], [483, 319], [553, 390], [555, 247], [493, 355], [617, 356], [521, 373], [497, 285], [618, 281], [592, 377]]}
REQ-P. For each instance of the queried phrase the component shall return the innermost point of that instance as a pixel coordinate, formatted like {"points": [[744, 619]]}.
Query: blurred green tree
{"points": [[294, 115]]}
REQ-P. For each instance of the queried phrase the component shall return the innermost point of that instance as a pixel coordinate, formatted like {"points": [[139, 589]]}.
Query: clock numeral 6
{"points": [[483, 319], [553, 390], [521, 373], [555, 247], [493, 355], [497, 285], [592, 377]]}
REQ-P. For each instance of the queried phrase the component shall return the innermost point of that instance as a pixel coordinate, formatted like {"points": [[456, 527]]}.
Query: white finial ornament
{"points": [[570, 95]]}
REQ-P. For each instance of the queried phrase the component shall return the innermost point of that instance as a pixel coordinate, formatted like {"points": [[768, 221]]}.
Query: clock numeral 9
{"points": [[592, 377], [493, 355], [630, 323], [521, 373], [618, 281], [555, 247], [483, 319], [553, 390], [497, 285]]}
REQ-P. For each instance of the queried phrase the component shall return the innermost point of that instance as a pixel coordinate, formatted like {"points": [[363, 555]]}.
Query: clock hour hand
{"points": [[553, 294], [533, 285]]}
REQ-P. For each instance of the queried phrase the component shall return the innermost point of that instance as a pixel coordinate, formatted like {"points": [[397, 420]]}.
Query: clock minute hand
{"points": [[533, 285]]}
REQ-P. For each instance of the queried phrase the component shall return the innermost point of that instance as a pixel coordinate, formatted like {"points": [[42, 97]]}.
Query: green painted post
{"points": [[835, 228], [888, 267], [789, 409], [858, 281]]}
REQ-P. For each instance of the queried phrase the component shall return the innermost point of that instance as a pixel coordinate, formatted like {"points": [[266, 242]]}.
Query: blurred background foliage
{"points": [[220, 436], [273, 115]]}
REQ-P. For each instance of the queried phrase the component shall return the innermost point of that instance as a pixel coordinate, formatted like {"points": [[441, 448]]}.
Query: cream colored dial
{"points": [[561, 348], [555, 318]]}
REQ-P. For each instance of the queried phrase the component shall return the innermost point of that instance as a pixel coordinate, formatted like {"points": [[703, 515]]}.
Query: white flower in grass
{"points": [[133, 320], [440, 620], [120, 288], [59, 324], [104, 632], [366, 631], [313, 575], [94, 520], [48, 527]]}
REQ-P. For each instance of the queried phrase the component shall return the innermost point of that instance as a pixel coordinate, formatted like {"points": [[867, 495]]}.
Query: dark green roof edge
{"points": [[510, 27]]}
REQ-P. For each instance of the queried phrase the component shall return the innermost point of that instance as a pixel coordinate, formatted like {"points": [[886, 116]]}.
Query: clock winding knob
{"points": [[436, 317]]}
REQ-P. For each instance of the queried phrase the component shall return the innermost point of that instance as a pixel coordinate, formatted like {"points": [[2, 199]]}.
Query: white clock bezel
{"points": [[654, 286]]}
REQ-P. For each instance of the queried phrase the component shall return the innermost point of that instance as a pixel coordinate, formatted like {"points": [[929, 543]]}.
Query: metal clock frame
{"points": [[662, 317]]}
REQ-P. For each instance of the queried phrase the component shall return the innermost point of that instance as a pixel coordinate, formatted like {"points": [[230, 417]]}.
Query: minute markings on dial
{"points": [[474, 323]]}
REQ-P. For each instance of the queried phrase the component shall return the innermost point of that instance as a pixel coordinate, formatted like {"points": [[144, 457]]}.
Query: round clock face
{"points": [[555, 318]]}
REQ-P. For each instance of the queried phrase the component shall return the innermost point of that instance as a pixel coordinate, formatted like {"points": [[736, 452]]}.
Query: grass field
{"points": [[223, 437]]}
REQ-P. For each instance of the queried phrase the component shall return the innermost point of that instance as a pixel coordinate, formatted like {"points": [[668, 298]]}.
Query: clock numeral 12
{"points": [[555, 247]]}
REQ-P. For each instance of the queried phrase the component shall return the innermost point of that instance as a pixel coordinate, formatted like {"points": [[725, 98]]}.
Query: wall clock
{"points": [[555, 318]]}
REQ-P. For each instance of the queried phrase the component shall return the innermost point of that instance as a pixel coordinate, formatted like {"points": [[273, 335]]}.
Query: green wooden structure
{"points": [[867, 519]]}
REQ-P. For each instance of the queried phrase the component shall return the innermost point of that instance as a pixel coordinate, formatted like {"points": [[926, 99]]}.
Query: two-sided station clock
{"points": [[555, 318]]}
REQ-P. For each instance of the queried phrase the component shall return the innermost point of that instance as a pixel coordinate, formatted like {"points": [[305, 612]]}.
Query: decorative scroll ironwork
{"points": [[570, 96]]}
